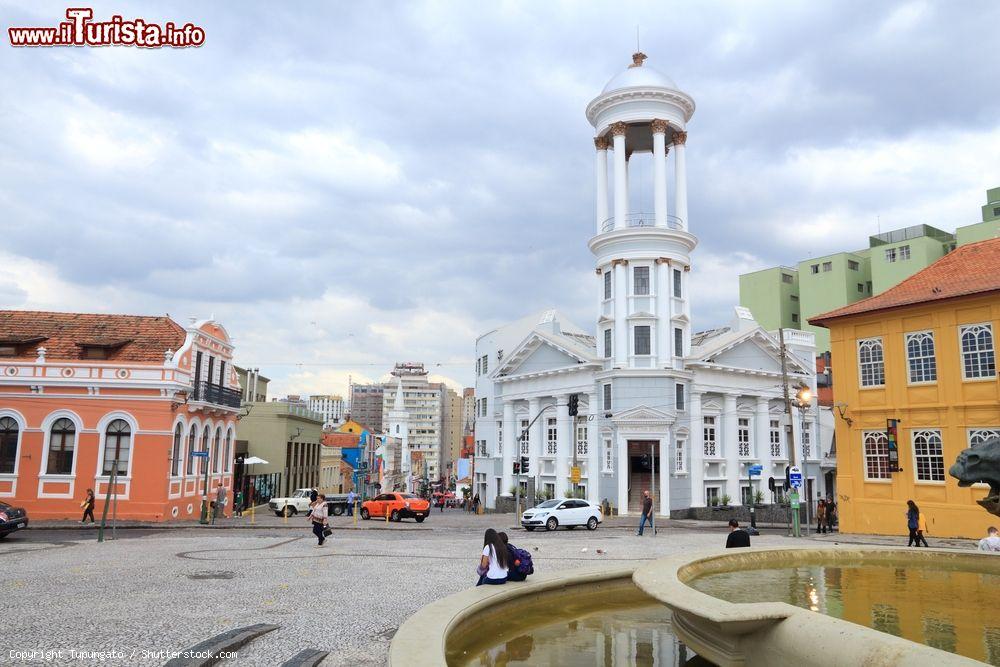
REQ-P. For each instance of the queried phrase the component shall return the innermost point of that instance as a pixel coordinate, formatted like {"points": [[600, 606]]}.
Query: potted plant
{"points": [[758, 498], [726, 499], [714, 502]]}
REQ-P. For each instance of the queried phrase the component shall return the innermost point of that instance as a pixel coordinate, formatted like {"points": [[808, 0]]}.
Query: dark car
{"points": [[11, 519]]}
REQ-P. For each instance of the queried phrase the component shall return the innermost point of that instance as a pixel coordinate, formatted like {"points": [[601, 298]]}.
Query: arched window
{"points": [[920, 357], [175, 456], [117, 446], [228, 467], [192, 441], [8, 445], [215, 449], [871, 362], [876, 445], [62, 443], [978, 360], [203, 463]]}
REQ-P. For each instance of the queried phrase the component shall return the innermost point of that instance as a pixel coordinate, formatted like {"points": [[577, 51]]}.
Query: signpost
{"points": [[204, 502], [751, 472], [795, 480]]}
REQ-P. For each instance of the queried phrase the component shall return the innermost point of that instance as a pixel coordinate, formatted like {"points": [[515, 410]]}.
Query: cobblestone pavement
{"points": [[168, 590]]}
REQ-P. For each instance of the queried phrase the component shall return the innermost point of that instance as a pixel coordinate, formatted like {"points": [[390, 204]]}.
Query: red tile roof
{"points": [[341, 439], [132, 338], [969, 269]]}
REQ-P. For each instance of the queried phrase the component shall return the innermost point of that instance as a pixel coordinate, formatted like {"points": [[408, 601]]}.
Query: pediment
{"points": [[643, 414], [711, 406], [538, 354], [757, 351]]}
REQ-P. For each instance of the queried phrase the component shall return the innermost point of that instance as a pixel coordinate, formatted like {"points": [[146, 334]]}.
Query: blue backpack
{"points": [[522, 561]]}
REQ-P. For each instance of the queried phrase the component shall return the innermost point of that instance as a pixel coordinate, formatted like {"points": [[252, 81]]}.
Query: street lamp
{"points": [[804, 398]]}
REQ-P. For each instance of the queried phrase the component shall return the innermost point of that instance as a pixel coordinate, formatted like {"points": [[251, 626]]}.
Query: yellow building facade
{"points": [[922, 353]]}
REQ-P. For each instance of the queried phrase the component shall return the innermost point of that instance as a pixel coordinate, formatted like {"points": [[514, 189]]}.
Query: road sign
{"points": [[203, 455], [756, 470], [574, 474], [795, 477]]}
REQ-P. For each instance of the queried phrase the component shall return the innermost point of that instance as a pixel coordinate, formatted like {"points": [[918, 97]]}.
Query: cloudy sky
{"points": [[344, 185]]}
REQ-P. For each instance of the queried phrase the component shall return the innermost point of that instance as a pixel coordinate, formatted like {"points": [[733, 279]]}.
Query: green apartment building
{"points": [[787, 297]]}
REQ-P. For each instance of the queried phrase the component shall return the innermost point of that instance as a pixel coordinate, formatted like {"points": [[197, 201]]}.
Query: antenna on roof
{"points": [[637, 38], [878, 223]]}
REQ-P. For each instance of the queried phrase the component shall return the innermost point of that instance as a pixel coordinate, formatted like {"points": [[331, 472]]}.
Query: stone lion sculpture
{"points": [[981, 464]]}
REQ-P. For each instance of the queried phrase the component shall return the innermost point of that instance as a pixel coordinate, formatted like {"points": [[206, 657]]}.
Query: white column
{"points": [[511, 436], [620, 335], [601, 143], [564, 439], [729, 447], [534, 439], [663, 476], [696, 440], [680, 179], [659, 172], [664, 313], [621, 472], [593, 450], [762, 443], [621, 178]]}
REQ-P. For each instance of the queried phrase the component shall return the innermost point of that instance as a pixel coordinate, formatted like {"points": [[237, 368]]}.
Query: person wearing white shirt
{"points": [[318, 516], [493, 564], [991, 543]]}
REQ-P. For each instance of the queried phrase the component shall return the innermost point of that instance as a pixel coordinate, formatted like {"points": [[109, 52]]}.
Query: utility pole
{"points": [[793, 495]]}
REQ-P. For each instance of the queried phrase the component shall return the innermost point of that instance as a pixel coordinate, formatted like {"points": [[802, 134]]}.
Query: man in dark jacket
{"points": [[737, 536], [647, 512]]}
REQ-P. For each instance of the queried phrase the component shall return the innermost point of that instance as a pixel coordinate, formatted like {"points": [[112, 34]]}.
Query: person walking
{"points": [[319, 515], [220, 500], [821, 516], [647, 512], [991, 543], [88, 507], [916, 524], [351, 497], [475, 504], [494, 562], [737, 536], [238, 504]]}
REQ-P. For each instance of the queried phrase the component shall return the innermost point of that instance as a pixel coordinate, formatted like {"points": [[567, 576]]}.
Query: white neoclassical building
{"points": [[697, 408]]}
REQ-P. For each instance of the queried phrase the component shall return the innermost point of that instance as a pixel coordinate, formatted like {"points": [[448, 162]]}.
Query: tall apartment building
{"points": [[788, 296], [424, 403], [452, 430], [331, 406], [468, 410], [366, 405]]}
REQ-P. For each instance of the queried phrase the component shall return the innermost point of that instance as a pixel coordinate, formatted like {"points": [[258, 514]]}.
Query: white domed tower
{"points": [[642, 256]]}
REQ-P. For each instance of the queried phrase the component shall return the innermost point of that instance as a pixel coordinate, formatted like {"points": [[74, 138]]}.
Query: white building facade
{"points": [[330, 406], [683, 415], [423, 403]]}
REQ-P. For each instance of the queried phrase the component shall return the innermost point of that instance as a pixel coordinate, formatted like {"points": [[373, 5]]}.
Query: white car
{"points": [[569, 512], [298, 502]]}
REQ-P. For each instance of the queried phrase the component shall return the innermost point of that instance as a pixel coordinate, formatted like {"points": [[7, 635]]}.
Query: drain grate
{"points": [[211, 574]]}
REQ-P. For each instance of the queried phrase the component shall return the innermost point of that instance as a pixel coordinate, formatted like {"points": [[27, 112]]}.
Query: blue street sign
{"points": [[756, 470], [795, 477], [203, 455]]}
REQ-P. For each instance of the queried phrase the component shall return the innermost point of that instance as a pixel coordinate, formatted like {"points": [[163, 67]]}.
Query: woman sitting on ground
{"points": [[493, 564]]}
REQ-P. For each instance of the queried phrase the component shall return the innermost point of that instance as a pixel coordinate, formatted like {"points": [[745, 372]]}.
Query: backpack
{"points": [[522, 561]]}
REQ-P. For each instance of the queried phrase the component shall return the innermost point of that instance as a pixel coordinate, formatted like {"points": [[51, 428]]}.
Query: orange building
{"points": [[82, 394], [922, 353]]}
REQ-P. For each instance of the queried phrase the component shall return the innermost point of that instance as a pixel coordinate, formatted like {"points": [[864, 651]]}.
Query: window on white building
{"points": [[978, 360], [827, 266], [679, 397], [607, 284], [852, 265], [581, 438], [871, 362], [677, 283], [524, 437], [680, 461], [607, 344], [814, 268], [607, 397], [641, 339], [746, 495], [787, 278], [775, 434], [876, 446], [479, 367], [678, 342], [485, 360], [711, 447], [743, 437], [920, 357], [640, 280], [608, 459], [551, 435], [929, 455], [711, 495]]}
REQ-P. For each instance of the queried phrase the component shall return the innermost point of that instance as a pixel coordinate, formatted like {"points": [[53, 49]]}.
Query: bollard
{"points": [[285, 512], [355, 514]]}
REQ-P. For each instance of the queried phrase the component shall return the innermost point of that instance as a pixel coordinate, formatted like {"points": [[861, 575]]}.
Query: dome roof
{"points": [[639, 75]]}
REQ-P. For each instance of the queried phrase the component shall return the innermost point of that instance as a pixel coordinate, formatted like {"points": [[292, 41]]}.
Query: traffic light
{"points": [[574, 404], [524, 465], [517, 467]]}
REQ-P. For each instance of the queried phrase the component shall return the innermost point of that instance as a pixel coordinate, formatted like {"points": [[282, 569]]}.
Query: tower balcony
{"points": [[642, 220]]}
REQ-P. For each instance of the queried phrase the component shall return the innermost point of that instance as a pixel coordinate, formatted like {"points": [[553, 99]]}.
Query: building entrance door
{"points": [[643, 457]]}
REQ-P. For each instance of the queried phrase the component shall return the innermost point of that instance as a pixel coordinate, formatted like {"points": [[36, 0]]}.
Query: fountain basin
{"points": [[776, 632]]}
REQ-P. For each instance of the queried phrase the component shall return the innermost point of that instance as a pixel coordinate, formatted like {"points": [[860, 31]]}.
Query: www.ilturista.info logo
{"points": [[80, 30]]}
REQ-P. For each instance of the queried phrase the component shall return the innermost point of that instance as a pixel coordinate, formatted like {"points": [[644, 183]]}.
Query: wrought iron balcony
{"points": [[642, 220], [216, 394]]}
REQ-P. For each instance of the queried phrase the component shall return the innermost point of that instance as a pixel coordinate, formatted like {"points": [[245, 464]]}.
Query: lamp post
{"points": [[804, 398]]}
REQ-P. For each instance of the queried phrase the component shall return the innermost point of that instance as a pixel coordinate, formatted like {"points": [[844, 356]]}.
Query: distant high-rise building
{"points": [[468, 410], [366, 405], [424, 403], [452, 430], [331, 406]]}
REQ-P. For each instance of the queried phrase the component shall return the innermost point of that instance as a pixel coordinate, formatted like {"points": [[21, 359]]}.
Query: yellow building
{"points": [[922, 353], [351, 426]]}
